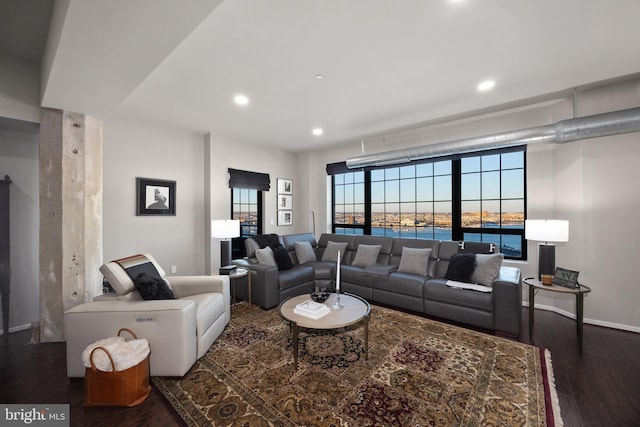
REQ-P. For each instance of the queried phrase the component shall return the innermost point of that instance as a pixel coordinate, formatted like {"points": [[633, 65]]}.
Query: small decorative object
{"points": [[566, 278], [155, 197], [547, 279], [320, 294]]}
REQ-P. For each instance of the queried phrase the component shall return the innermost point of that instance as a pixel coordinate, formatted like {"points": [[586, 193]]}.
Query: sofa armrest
{"points": [[507, 300], [265, 285], [168, 325], [185, 286]]}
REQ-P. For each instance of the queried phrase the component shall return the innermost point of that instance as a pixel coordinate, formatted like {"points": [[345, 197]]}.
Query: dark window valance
{"points": [[251, 180]]}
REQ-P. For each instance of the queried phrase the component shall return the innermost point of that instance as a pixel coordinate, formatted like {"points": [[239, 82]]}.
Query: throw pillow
{"points": [[153, 287], [487, 268], [461, 267], [282, 258], [304, 252], [331, 251], [366, 255], [265, 256], [414, 261], [264, 240]]}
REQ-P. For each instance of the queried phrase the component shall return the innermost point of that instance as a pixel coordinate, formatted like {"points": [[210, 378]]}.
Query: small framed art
{"points": [[285, 217], [155, 197], [285, 186], [285, 201]]}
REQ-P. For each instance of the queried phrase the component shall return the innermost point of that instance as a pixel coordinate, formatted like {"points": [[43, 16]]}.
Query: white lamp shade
{"points": [[225, 228], [547, 230]]}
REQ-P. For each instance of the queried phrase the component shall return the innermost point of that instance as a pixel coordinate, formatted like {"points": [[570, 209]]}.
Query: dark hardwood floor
{"points": [[600, 387]]}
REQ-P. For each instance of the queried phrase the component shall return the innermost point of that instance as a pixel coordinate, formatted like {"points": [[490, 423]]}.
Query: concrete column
{"points": [[70, 215]]}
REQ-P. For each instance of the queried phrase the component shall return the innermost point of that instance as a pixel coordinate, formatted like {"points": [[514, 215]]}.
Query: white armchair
{"points": [[179, 331]]}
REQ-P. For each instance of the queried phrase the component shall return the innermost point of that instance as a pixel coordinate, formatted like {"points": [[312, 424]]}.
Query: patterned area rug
{"points": [[420, 373]]}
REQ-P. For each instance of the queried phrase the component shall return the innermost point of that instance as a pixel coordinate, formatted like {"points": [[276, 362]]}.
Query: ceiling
{"points": [[384, 64]]}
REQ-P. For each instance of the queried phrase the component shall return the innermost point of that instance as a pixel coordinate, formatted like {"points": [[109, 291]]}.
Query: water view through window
{"points": [[418, 200]]}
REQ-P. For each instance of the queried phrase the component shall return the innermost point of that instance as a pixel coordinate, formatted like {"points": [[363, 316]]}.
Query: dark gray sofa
{"points": [[498, 310]]}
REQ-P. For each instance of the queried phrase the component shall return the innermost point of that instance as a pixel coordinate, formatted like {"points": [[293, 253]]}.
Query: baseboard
{"points": [[16, 329], [586, 320]]}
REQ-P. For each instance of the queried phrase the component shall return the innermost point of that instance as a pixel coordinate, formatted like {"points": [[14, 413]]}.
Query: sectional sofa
{"points": [[495, 306]]}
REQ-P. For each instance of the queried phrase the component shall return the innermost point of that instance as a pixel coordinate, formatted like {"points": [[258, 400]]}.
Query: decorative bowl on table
{"points": [[320, 295]]}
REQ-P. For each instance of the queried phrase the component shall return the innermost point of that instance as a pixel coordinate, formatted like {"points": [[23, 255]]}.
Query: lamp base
{"points": [[546, 259], [225, 253]]}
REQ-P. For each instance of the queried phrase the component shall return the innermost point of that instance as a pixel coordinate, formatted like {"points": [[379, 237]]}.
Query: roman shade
{"points": [[251, 180]]}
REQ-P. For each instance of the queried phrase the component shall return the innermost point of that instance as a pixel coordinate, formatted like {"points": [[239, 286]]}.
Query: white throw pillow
{"points": [[304, 252], [366, 255], [414, 261], [487, 268], [265, 256], [331, 251]]}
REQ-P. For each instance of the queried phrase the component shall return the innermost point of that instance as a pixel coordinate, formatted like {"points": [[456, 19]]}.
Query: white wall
{"points": [[133, 148], [592, 183], [225, 154], [19, 90], [19, 160]]}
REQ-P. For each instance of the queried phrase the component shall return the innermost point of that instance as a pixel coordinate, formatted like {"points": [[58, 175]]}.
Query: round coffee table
{"points": [[354, 309]]}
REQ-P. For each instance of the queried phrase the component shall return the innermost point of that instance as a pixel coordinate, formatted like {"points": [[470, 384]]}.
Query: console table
{"points": [[535, 286]]}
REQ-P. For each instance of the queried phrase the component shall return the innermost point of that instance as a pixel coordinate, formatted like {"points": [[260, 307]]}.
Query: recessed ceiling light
{"points": [[317, 131], [319, 76], [241, 99], [486, 85]]}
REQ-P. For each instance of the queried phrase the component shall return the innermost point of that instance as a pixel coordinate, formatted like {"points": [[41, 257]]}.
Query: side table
{"points": [[535, 286], [241, 272]]}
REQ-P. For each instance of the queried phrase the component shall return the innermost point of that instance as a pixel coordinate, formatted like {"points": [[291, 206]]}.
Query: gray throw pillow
{"points": [[331, 251], [265, 256], [304, 252], [366, 255], [414, 261], [487, 268]]}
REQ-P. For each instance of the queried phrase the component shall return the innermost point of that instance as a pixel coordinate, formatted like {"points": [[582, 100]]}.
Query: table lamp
{"points": [[225, 229], [545, 231]]}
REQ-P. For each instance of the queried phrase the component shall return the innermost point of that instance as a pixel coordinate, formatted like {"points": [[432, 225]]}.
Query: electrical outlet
{"points": [[174, 269]]}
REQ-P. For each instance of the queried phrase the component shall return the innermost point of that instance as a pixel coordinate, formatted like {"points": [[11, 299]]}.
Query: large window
{"points": [[473, 198]]}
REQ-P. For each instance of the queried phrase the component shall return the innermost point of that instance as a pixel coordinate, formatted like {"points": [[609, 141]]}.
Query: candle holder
{"points": [[337, 305]]}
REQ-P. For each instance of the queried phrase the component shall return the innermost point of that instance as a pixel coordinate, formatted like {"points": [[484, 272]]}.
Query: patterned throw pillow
{"points": [[366, 255], [265, 256], [414, 261], [487, 268], [304, 252], [331, 251]]}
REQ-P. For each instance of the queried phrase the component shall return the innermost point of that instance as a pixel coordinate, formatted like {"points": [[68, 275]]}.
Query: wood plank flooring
{"points": [[600, 387]]}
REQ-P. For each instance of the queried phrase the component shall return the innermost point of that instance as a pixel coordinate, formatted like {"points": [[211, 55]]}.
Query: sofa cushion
{"points": [[304, 252], [366, 255], [210, 306], [402, 283], [414, 261], [265, 256], [437, 290], [332, 249], [487, 268], [298, 275], [461, 267]]}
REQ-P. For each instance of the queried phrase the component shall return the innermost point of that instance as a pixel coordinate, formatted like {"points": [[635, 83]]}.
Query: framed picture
{"points": [[285, 186], [285, 202], [285, 217], [155, 197]]}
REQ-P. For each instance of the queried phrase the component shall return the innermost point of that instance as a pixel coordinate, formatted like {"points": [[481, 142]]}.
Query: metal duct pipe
{"points": [[613, 123]]}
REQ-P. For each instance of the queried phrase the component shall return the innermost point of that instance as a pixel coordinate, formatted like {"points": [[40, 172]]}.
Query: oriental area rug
{"points": [[419, 373]]}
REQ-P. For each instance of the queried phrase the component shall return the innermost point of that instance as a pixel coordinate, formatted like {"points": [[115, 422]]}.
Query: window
{"points": [[247, 207], [474, 198]]}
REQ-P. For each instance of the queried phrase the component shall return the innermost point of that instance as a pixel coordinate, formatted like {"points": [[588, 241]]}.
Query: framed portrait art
{"points": [[285, 217], [155, 197]]}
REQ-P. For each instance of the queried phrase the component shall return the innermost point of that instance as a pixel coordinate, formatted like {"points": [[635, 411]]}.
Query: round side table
{"points": [[240, 273], [535, 286]]}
